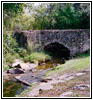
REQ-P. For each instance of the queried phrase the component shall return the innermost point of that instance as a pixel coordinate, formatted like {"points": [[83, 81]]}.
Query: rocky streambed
{"points": [[22, 75]]}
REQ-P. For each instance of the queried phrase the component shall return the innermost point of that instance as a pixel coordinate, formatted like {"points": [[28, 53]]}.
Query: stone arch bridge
{"points": [[64, 42]]}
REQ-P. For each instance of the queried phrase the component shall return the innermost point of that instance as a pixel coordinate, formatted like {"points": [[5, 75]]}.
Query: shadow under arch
{"points": [[57, 50]]}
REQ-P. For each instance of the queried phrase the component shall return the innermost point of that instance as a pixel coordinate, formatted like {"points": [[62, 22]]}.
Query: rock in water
{"points": [[63, 60], [15, 71], [27, 66]]}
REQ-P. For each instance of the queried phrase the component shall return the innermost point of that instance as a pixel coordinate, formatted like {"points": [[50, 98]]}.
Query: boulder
{"points": [[43, 63], [85, 71], [25, 66], [28, 66], [15, 71], [17, 63], [63, 60]]}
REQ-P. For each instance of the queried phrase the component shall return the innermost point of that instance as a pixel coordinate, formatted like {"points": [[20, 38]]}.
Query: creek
{"points": [[11, 87]]}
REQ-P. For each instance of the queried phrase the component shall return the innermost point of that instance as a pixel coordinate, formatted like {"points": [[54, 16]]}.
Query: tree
{"points": [[46, 16], [10, 12]]}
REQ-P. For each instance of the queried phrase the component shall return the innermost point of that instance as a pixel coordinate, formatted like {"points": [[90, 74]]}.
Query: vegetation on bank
{"points": [[72, 65], [12, 51], [39, 56], [87, 53]]}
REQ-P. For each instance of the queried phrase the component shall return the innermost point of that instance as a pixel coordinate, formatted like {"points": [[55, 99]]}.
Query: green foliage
{"points": [[6, 68], [11, 50], [13, 9], [9, 58], [22, 52], [9, 43], [46, 16], [39, 56], [31, 47], [65, 16], [60, 16], [24, 22], [26, 58], [10, 12], [87, 53]]}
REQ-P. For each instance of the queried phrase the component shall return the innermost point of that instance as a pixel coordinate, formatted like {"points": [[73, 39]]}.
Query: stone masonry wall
{"points": [[76, 40]]}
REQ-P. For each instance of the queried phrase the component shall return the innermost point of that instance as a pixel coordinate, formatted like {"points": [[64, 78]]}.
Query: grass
{"points": [[87, 53], [39, 56], [73, 65]]}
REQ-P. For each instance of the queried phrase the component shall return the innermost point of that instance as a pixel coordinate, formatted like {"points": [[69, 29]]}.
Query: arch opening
{"points": [[57, 50]]}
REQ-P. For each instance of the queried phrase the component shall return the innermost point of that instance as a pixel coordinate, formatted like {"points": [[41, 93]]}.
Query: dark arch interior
{"points": [[57, 50]]}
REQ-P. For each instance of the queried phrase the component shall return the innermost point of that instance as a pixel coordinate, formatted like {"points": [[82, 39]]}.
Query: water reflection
{"points": [[12, 88], [49, 64]]}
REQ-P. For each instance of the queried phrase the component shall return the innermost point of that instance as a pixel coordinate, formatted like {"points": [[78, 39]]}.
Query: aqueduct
{"points": [[62, 42]]}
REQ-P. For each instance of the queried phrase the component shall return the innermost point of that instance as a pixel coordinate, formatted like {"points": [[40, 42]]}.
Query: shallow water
{"points": [[12, 88], [49, 64]]}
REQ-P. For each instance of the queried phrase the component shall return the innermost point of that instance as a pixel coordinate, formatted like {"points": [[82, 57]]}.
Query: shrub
{"points": [[26, 59], [39, 56], [31, 47], [6, 67], [85, 54], [9, 58], [11, 50], [22, 52]]}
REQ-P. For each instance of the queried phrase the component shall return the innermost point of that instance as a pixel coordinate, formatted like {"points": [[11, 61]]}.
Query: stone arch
{"points": [[57, 50]]}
